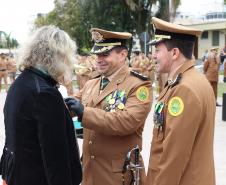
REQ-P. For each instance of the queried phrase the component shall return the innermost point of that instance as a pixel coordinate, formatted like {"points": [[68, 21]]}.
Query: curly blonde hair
{"points": [[51, 49]]}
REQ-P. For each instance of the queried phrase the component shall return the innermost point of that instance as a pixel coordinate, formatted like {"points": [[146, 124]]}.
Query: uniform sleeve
{"points": [[120, 122], [51, 120], [180, 133]]}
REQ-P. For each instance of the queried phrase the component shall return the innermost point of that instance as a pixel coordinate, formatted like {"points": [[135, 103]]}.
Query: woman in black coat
{"points": [[40, 145]]}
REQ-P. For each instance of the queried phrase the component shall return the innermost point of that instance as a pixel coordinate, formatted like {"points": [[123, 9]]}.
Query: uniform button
{"points": [[90, 142], [92, 157]]}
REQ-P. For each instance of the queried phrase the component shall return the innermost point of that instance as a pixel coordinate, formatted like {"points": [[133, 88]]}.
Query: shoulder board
{"points": [[138, 75]]}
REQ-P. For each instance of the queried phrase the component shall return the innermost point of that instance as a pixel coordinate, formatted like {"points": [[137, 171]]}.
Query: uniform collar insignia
{"points": [[176, 81]]}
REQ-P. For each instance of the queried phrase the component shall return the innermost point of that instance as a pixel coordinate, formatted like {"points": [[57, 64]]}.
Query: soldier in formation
{"points": [[7, 70], [143, 65], [211, 68]]}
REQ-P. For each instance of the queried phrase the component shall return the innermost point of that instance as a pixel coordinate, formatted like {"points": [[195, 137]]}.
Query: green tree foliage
{"points": [[6, 41], [77, 17], [106, 14]]}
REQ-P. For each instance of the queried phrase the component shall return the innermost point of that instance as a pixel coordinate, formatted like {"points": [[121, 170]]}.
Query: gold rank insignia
{"points": [[142, 93], [97, 36], [175, 106]]}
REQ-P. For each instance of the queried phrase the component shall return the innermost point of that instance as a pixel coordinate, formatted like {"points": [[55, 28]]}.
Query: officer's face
{"points": [[109, 63], [163, 58]]}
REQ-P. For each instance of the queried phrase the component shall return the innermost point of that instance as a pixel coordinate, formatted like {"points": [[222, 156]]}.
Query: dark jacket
{"points": [[40, 146]]}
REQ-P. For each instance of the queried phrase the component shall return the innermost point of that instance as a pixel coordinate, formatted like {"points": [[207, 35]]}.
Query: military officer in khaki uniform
{"points": [[11, 68], [182, 143], [211, 68], [3, 71], [115, 107]]}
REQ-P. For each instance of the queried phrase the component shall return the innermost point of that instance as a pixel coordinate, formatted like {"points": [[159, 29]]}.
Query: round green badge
{"points": [[142, 93], [176, 106]]}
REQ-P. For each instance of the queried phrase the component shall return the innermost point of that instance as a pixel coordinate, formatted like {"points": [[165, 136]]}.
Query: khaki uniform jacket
{"points": [[108, 136], [211, 68], [182, 151]]}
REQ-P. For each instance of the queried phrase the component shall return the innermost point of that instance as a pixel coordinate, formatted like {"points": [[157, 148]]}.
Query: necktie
{"points": [[104, 83]]}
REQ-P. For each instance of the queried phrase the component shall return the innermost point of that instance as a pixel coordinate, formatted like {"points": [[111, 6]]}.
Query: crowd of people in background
{"points": [[84, 68], [7, 70], [212, 62]]}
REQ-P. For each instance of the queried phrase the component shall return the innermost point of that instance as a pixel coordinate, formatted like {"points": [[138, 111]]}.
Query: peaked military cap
{"points": [[166, 31], [214, 48], [105, 41]]}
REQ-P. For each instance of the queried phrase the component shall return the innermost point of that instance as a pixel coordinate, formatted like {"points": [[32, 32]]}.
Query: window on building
{"points": [[215, 38], [204, 35]]}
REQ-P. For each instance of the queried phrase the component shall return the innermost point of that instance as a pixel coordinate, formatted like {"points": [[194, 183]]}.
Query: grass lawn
{"points": [[3, 86], [221, 89]]}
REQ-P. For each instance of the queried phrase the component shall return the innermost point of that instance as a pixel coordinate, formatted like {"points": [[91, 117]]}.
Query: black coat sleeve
{"points": [[52, 134]]}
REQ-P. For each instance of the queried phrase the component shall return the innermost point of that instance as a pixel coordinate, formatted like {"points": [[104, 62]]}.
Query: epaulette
{"points": [[139, 75]]}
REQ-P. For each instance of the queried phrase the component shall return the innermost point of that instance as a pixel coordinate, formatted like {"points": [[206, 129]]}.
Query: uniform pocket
{"points": [[7, 164], [117, 165]]}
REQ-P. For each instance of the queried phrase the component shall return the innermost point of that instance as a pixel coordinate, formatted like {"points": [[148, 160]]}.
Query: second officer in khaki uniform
{"points": [[115, 107], [182, 143], [211, 68]]}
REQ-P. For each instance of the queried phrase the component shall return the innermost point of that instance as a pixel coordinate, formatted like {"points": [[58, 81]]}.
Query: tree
{"points": [[6, 41], [77, 17], [142, 10]]}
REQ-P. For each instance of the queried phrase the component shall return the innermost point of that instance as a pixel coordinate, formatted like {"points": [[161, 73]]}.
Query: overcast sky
{"points": [[200, 6], [16, 16]]}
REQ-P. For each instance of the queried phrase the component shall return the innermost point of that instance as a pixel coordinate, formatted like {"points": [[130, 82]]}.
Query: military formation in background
{"points": [[7, 70], [84, 69]]}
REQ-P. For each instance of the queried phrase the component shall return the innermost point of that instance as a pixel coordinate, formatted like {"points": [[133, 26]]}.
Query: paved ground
{"points": [[219, 142]]}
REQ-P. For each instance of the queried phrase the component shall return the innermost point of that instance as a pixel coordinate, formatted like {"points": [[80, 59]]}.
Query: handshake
{"points": [[75, 106]]}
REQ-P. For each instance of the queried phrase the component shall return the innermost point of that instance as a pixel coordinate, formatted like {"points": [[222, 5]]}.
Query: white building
{"points": [[212, 23]]}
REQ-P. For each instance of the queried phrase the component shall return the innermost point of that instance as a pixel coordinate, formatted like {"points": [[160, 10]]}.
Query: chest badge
{"points": [[115, 101], [175, 106]]}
